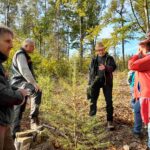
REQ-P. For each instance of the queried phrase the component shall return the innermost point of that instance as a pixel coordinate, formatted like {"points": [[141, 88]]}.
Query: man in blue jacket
{"points": [[8, 96]]}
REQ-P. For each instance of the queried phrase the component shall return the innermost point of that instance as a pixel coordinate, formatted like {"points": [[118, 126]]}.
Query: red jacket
{"points": [[142, 66]]}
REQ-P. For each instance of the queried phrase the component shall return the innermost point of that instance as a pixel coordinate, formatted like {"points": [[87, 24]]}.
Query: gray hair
{"points": [[27, 41]]}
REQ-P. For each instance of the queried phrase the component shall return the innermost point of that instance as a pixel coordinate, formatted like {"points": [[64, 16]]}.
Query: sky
{"points": [[130, 48]]}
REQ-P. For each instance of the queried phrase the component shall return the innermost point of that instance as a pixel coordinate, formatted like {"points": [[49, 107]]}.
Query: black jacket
{"points": [[110, 67], [8, 96]]}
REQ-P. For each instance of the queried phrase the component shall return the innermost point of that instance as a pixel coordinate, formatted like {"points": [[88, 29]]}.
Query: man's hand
{"points": [[37, 88], [102, 67], [139, 52], [24, 92]]}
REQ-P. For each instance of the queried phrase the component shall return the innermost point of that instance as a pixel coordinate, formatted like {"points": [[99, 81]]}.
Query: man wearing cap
{"points": [[100, 76], [23, 76]]}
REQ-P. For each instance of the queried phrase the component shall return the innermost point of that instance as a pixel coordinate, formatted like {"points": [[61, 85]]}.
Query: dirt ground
{"points": [[123, 117], [121, 138]]}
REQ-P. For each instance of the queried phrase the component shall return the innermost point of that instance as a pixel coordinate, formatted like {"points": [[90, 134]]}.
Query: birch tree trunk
{"points": [[146, 15]]}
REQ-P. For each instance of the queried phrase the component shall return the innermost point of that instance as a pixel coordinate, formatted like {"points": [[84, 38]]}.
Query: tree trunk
{"points": [[68, 47], [115, 52], [146, 15], [7, 22], [123, 53], [132, 8], [57, 29], [93, 48], [122, 38], [40, 44], [81, 43], [58, 47]]}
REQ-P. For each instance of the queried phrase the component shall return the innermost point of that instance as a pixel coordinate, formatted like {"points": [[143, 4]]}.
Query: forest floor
{"points": [[119, 139], [123, 118]]}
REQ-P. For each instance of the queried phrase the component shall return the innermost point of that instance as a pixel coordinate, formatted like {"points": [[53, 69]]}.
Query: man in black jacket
{"points": [[8, 96], [23, 76], [100, 76]]}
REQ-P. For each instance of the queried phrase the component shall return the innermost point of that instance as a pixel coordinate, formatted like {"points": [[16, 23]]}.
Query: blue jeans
{"points": [[137, 116]]}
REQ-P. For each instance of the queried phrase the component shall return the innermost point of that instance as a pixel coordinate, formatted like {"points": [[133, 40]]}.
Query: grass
{"points": [[65, 107]]}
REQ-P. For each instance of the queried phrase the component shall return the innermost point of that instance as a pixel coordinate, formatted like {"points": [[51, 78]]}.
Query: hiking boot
{"points": [[145, 127], [93, 110], [34, 124], [110, 125], [138, 135]]}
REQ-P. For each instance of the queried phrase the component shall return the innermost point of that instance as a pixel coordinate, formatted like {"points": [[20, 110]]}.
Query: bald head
{"points": [[28, 45], [27, 42]]}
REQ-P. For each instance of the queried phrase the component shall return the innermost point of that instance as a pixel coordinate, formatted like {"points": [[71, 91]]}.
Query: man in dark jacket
{"points": [[23, 77], [100, 76], [8, 96]]}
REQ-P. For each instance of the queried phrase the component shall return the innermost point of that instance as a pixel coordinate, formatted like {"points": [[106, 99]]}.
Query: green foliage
{"points": [[51, 67], [65, 108], [46, 85], [59, 28]]}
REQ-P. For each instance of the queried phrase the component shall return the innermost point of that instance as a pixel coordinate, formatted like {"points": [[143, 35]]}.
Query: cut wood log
{"points": [[27, 133]]}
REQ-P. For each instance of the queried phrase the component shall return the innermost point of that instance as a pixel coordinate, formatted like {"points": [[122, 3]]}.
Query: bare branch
{"points": [[136, 17]]}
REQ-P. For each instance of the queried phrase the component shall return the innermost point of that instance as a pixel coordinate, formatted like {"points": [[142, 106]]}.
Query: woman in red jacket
{"points": [[141, 64]]}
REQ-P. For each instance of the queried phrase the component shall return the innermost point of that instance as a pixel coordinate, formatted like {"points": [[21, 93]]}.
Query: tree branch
{"points": [[136, 17]]}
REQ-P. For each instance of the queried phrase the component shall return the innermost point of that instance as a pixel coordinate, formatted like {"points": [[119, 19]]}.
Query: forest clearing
{"points": [[59, 54], [69, 115]]}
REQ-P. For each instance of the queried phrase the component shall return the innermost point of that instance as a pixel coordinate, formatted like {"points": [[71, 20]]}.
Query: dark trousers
{"points": [[107, 91], [35, 97]]}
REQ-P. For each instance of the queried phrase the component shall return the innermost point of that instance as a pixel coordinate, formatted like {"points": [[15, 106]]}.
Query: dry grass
{"points": [[65, 107]]}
